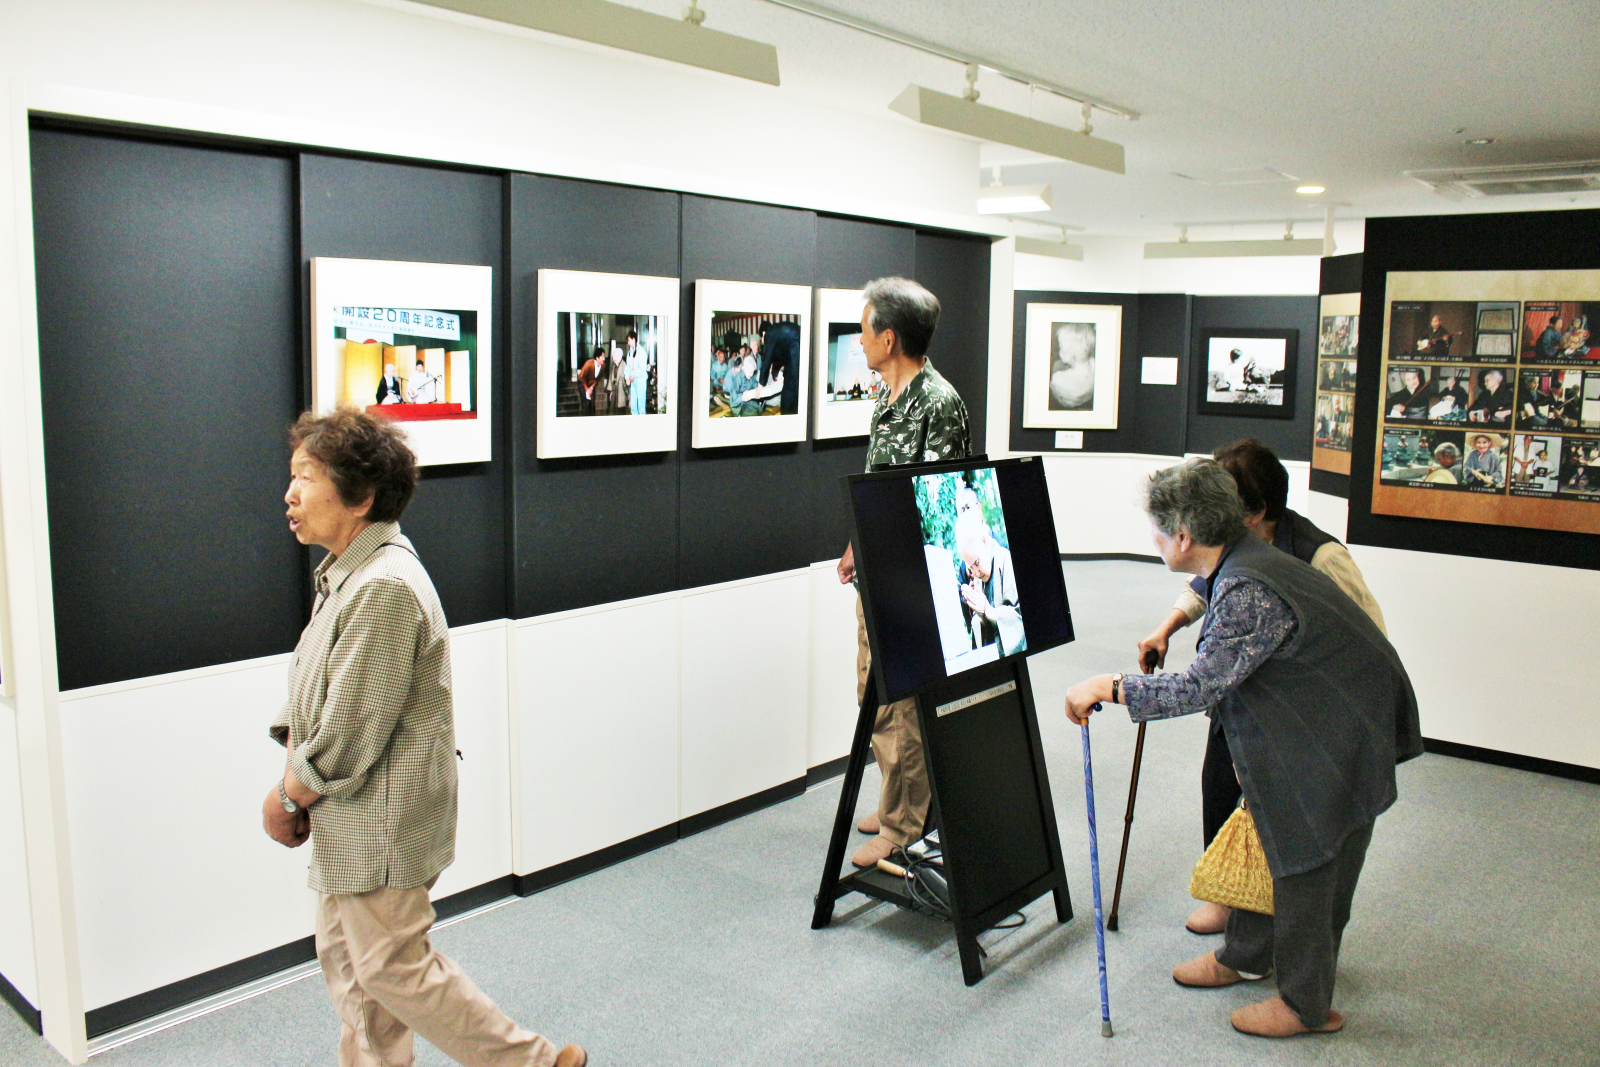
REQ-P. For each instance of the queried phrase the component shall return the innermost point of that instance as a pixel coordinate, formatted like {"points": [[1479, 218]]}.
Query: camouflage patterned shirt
{"points": [[927, 423]]}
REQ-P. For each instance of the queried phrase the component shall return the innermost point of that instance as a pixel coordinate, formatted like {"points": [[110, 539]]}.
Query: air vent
{"points": [[1577, 177]]}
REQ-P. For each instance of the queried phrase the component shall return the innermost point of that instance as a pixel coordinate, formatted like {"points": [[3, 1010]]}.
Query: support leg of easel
{"points": [[1127, 826], [828, 892], [971, 956]]}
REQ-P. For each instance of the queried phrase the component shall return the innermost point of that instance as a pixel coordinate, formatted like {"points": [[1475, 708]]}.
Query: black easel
{"points": [[997, 827]]}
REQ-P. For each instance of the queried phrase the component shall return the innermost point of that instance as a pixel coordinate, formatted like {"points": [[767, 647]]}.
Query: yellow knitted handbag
{"points": [[1233, 872]]}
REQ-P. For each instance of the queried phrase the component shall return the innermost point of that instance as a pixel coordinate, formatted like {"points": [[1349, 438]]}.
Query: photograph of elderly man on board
{"points": [[1580, 469], [1445, 331], [970, 573], [1535, 465], [1559, 399], [1423, 459]]}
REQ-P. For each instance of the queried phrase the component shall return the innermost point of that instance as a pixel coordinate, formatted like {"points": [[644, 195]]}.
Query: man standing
{"points": [[424, 386], [637, 363], [371, 771], [919, 418]]}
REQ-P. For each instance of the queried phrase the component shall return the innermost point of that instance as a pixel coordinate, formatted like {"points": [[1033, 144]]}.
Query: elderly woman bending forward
{"points": [[1317, 710]]}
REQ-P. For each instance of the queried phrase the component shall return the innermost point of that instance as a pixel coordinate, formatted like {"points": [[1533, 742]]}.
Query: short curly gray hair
{"points": [[1198, 495], [901, 305]]}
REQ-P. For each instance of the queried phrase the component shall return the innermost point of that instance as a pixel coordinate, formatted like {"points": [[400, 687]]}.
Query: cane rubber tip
{"points": [[1111, 924], [1105, 1028]]}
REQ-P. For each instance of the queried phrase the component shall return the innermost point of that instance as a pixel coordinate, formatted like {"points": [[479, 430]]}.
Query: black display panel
{"points": [[958, 567]]}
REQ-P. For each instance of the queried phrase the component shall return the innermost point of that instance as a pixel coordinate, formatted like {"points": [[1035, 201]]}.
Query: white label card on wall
{"points": [[1158, 370], [1069, 438]]}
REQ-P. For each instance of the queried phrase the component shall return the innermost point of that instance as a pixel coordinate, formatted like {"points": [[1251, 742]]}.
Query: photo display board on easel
{"points": [[1490, 405]]}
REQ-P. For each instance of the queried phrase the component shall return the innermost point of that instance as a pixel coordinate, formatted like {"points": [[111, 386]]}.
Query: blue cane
{"points": [[1094, 874]]}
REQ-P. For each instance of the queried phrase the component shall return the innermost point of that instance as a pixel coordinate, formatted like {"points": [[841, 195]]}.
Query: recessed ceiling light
{"points": [[1311, 190], [1480, 140]]}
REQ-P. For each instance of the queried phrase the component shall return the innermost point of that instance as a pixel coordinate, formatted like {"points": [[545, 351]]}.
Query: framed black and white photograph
{"points": [[409, 342], [607, 364], [1072, 366], [752, 348], [846, 388], [1248, 373]]}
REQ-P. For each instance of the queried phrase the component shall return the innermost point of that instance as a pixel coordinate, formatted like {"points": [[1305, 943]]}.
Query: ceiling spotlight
{"points": [[1013, 199], [1310, 190], [614, 25], [966, 116], [1480, 140]]}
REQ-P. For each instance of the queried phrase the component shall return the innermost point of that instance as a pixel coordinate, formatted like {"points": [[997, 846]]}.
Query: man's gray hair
{"points": [[1198, 495], [901, 305]]}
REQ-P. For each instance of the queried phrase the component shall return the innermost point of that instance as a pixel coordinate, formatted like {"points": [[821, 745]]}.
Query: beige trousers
{"points": [[897, 746], [387, 980]]}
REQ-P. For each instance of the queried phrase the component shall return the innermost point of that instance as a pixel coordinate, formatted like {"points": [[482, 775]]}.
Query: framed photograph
{"points": [[409, 342], [1072, 366], [1247, 373], [847, 389], [607, 364], [752, 346], [1557, 331]]}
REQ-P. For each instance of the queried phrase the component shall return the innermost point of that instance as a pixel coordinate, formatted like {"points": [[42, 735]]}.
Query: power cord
{"points": [[923, 871]]}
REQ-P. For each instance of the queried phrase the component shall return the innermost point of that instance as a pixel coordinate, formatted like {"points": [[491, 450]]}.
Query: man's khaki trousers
{"points": [[897, 746], [387, 980]]}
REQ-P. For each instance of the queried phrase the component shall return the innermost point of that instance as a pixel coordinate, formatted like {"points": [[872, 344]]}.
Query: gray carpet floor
{"points": [[1474, 938]]}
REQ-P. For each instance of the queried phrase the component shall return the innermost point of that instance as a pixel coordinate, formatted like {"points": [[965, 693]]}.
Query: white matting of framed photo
{"points": [[759, 390], [607, 364], [1072, 366], [409, 342], [846, 388]]}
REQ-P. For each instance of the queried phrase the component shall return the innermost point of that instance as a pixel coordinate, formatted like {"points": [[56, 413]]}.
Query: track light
{"points": [[1183, 248], [1013, 199], [683, 41], [967, 116]]}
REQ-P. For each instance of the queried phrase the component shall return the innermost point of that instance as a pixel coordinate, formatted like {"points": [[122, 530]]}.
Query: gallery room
{"points": [[656, 532]]}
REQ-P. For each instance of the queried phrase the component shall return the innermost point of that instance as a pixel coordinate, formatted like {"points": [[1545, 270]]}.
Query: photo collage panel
{"points": [[1495, 396], [1336, 381]]}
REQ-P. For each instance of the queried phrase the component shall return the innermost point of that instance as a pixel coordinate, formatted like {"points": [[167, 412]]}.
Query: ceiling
{"points": [[1347, 95]]}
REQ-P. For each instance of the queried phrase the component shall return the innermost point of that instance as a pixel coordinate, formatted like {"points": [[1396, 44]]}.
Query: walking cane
{"points": [[1094, 874], [1127, 827], [1127, 818]]}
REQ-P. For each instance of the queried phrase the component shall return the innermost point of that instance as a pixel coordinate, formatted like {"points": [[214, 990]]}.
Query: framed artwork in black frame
{"points": [[1246, 373]]}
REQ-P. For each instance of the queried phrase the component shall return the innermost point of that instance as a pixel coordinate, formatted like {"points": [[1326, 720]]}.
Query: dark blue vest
{"points": [[1316, 731]]}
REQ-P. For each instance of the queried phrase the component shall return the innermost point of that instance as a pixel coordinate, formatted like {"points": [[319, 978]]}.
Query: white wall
{"points": [[415, 81], [16, 916], [628, 717]]}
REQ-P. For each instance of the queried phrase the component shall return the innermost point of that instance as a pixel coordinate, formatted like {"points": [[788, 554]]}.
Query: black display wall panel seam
{"points": [[1510, 241]]}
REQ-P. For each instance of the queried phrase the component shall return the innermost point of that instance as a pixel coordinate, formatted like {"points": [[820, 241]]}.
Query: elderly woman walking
{"points": [[1317, 710]]}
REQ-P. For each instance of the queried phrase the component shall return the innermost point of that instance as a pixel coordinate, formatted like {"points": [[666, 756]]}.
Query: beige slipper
{"points": [[1273, 1018], [869, 824], [870, 853], [1204, 972], [1208, 918]]}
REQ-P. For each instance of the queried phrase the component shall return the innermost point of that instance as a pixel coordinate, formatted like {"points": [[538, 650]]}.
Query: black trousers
{"points": [[1300, 941], [1219, 786]]}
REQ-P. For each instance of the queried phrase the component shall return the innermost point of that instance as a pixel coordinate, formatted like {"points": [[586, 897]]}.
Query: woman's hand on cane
{"points": [[1085, 698]]}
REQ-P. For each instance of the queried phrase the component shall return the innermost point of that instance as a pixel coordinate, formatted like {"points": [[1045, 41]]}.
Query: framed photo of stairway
{"points": [[409, 342], [607, 364]]}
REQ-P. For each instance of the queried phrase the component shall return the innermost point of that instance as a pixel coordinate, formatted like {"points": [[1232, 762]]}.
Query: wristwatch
{"points": [[283, 798], [1116, 689]]}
